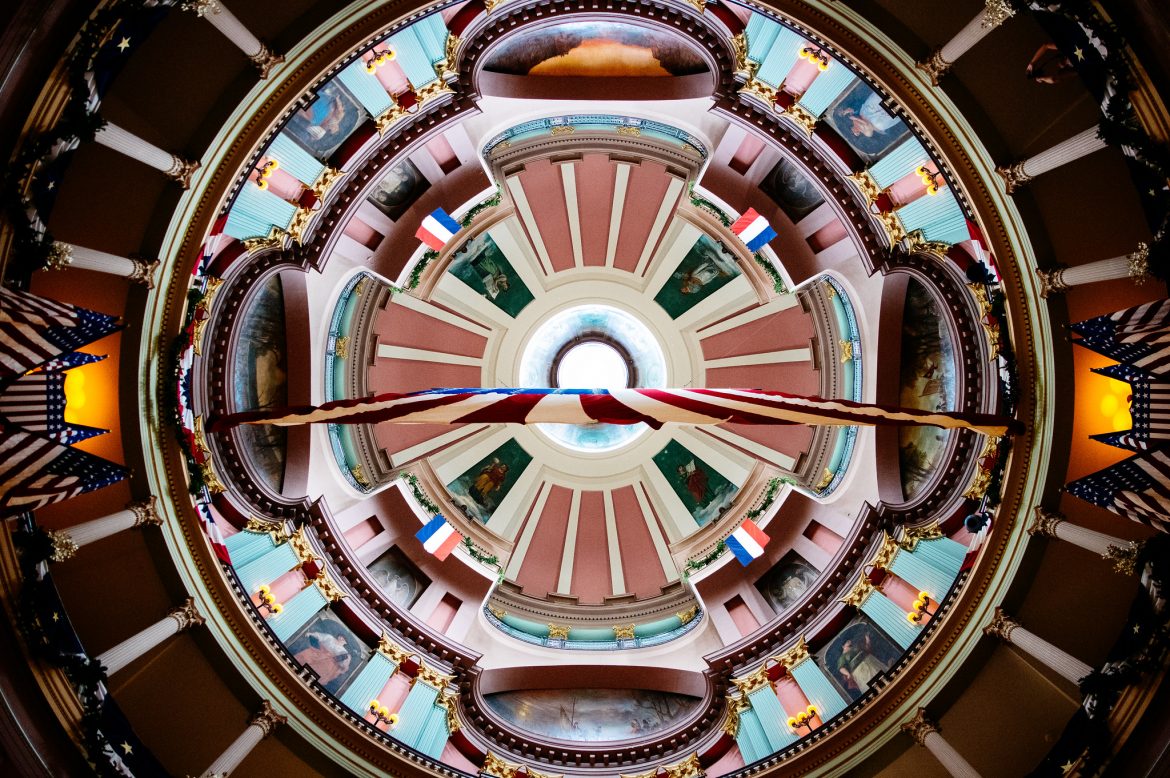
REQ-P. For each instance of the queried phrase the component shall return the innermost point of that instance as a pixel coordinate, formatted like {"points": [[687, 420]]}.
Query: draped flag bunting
{"points": [[747, 542], [214, 535], [34, 330], [654, 407], [36, 402], [437, 228], [36, 471], [753, 230], [1138, 336], [1137, 488], [439, 537]]}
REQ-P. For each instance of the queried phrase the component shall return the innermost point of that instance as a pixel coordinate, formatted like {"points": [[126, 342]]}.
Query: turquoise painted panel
{"points": [[267, 568], [773, 720], [294, 160], [368, 683], [245, 547], [303, 606], [890, 618], [817, 687]]}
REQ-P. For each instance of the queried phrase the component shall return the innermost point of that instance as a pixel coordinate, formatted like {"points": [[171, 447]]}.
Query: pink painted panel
{"points": [[444, 613], [826, 236], [285, 587], [545, 191], [792, 699], [542, 563], [791, 377], [790, 439], [283, 185], [452, 756], [823, 536], [732, 760], [362, 532], [744, 620], [908, 188], [790, 328], [362, 233], [903, 594], [749, 148], [595, 176], [644, 192], [591, 580], [640, 566], [800, 78], [408, 375], [396, 437], [394, 692], [398, 325], [392, 76], [443, 154]]}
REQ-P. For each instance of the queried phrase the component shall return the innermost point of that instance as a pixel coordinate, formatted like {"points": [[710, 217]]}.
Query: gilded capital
{"points": [[60, 255], [187, 615], [300, 546], [735, 706], [1001, 626], [1013, 176], [433, 677], [1139, 264], [795, 655], [1052, 281], [63, 545], [560, 631], [181, 170], [919, 727], [623, 631], [267, 719], [860, 592], [934, 66], [749, 683], [265, 60], [143, 272], [802, 116], [329, 587], [145, 513], [995, 13], [885, 553], [911, 536], [396, 653], [1124, 558], [685, 617], [1044, 522]]}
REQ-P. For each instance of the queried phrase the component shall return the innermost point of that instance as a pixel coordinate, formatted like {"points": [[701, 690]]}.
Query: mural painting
{"points": [[702, 489], [398, 190], [928, 383], [484, 485], [401, 582], [787, 581], [857, 655], [327, 122], [480, 264], [259, 380], [859, 117], [330, 648], [604, 49], [792, 190], [592, 715], [705, 269]]}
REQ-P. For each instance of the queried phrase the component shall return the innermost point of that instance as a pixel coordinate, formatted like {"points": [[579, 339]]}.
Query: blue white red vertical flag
{"points": [[439, 537], [747, 542], [437, 229], [753, 230], [214, 534]]}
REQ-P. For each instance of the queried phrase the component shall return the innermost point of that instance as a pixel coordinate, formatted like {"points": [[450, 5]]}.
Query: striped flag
{"points": [[1138, 336], [753, 230], [36, 402], [747, 542], [654, 407], [1137, 488], [36, 471], [1149, 410], [437, 228], [439, 537], [214, 535], [34, 330]]}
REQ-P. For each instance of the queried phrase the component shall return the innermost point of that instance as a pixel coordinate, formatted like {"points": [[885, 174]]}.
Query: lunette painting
{"points": [[859, 117], [792, 190], [259, 380], [400, 580], [402, 185], [331, 648], [481, 264], [592, 715], [856, 655], [703, 489], [928, 377], [327, 122], [706, 268], [787, 581], [483, 486]]}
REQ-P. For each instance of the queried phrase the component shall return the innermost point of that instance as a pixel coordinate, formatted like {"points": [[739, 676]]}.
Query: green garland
{"points": [[702, 202], [766, 501], [474, 551], [777, 280]]}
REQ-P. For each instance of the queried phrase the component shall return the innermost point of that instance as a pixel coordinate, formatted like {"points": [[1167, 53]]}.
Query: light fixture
{"points": [[928, 177], [268, 600], [380, 59], [270, 167], [815, 57], [803, 719], [382, 715], [921, 608]]}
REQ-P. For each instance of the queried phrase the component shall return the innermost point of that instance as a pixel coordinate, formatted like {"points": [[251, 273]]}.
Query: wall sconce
{"points": [[928, 180], [802, 719], [379, 60], [816, 57], [382, 715], [921, 608], [270, 167], [268, 601]]}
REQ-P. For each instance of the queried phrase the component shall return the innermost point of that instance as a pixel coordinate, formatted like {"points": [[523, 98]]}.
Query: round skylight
{"points": [[592, 365]]}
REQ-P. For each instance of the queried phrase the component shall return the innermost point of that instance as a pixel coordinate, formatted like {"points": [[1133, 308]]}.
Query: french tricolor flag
{"points": [[753, 230], [747, 542], [438, 228], [438, 537]]}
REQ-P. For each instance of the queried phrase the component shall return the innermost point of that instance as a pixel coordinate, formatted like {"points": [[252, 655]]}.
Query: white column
{"points": [[124, 142], [130, 649], [259, 727], [234, 30], [71, 255], [925, 733], [1009, 631], [1123, 553], [1134, 265], [995, 12], [136, 514], [1080, 145]]}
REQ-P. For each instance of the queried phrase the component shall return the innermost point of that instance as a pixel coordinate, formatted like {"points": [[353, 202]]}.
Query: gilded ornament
{"points": [[274, 240], [329, 176], [329, 587], [341, 347], [359, 474], [300, 224], [986, 463], [143, 272], [868, 186], [562, 129], [1013, 176], [394, 652], [826, 479], [497, 611], [210, 480], [749, 683], [623, 631], [795, 655], [1124, 558], [912, 535], [60, 256], [265, 60], [886, 553], [1044, 522], [630, 132], [685, 617], [432, 90], [201, 7], [449, 702], [1052, 281], [688, 768], [145, 513], [301, 547], [919, 727], [699, 5], [187, 615], [63, 545], [846, 351], [1139, 264], [995, 13], [276, 529], [1001, 626], [388, 117], [181, 171], [743, 65], [491, 5], [451, 50], [760, 90], [860, 592], [802, 116], [735, 706], [433, 677], [558, 632], [935, 66], [920, 245], [267, 719], [496, 767]]}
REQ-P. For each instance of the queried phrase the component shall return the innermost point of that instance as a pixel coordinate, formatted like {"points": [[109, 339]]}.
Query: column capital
{"points": [[267, 719], [145, 513], [186, 615], [1139, 264], [1124, 558], [1001, 626], [935, 66], [181, 170], [995, 13], [201, 7], [1013, 175], [60, 255], [1051, 281], [143, 272], [63, 545], [920, 726], [265, 60], [1044, 522]]}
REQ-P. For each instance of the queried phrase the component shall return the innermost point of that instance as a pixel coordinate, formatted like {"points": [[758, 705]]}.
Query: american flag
{"points": [[214, 535], [654, 407], [1137, 488], [34, 330], [36, 471], [36, 402], [1138, 336], [1149, 410]]}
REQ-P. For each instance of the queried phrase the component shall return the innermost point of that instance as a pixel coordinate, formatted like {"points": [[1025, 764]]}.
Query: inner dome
{"points": [[592, 365]]}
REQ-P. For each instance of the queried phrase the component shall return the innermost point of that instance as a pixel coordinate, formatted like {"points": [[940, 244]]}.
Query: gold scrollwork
{"points": [[802, 116], [558, 631], [433, 677], [795, 655], [860, 592], [685, 617], [623, 631], [749, 683], [394, 652], [868, 186]]}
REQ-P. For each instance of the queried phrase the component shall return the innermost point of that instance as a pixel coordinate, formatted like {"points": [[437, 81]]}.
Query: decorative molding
{"points": [[688, 768], [329, 176], [332, 591], [802, 116], [301, 547], [867, 185]]}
